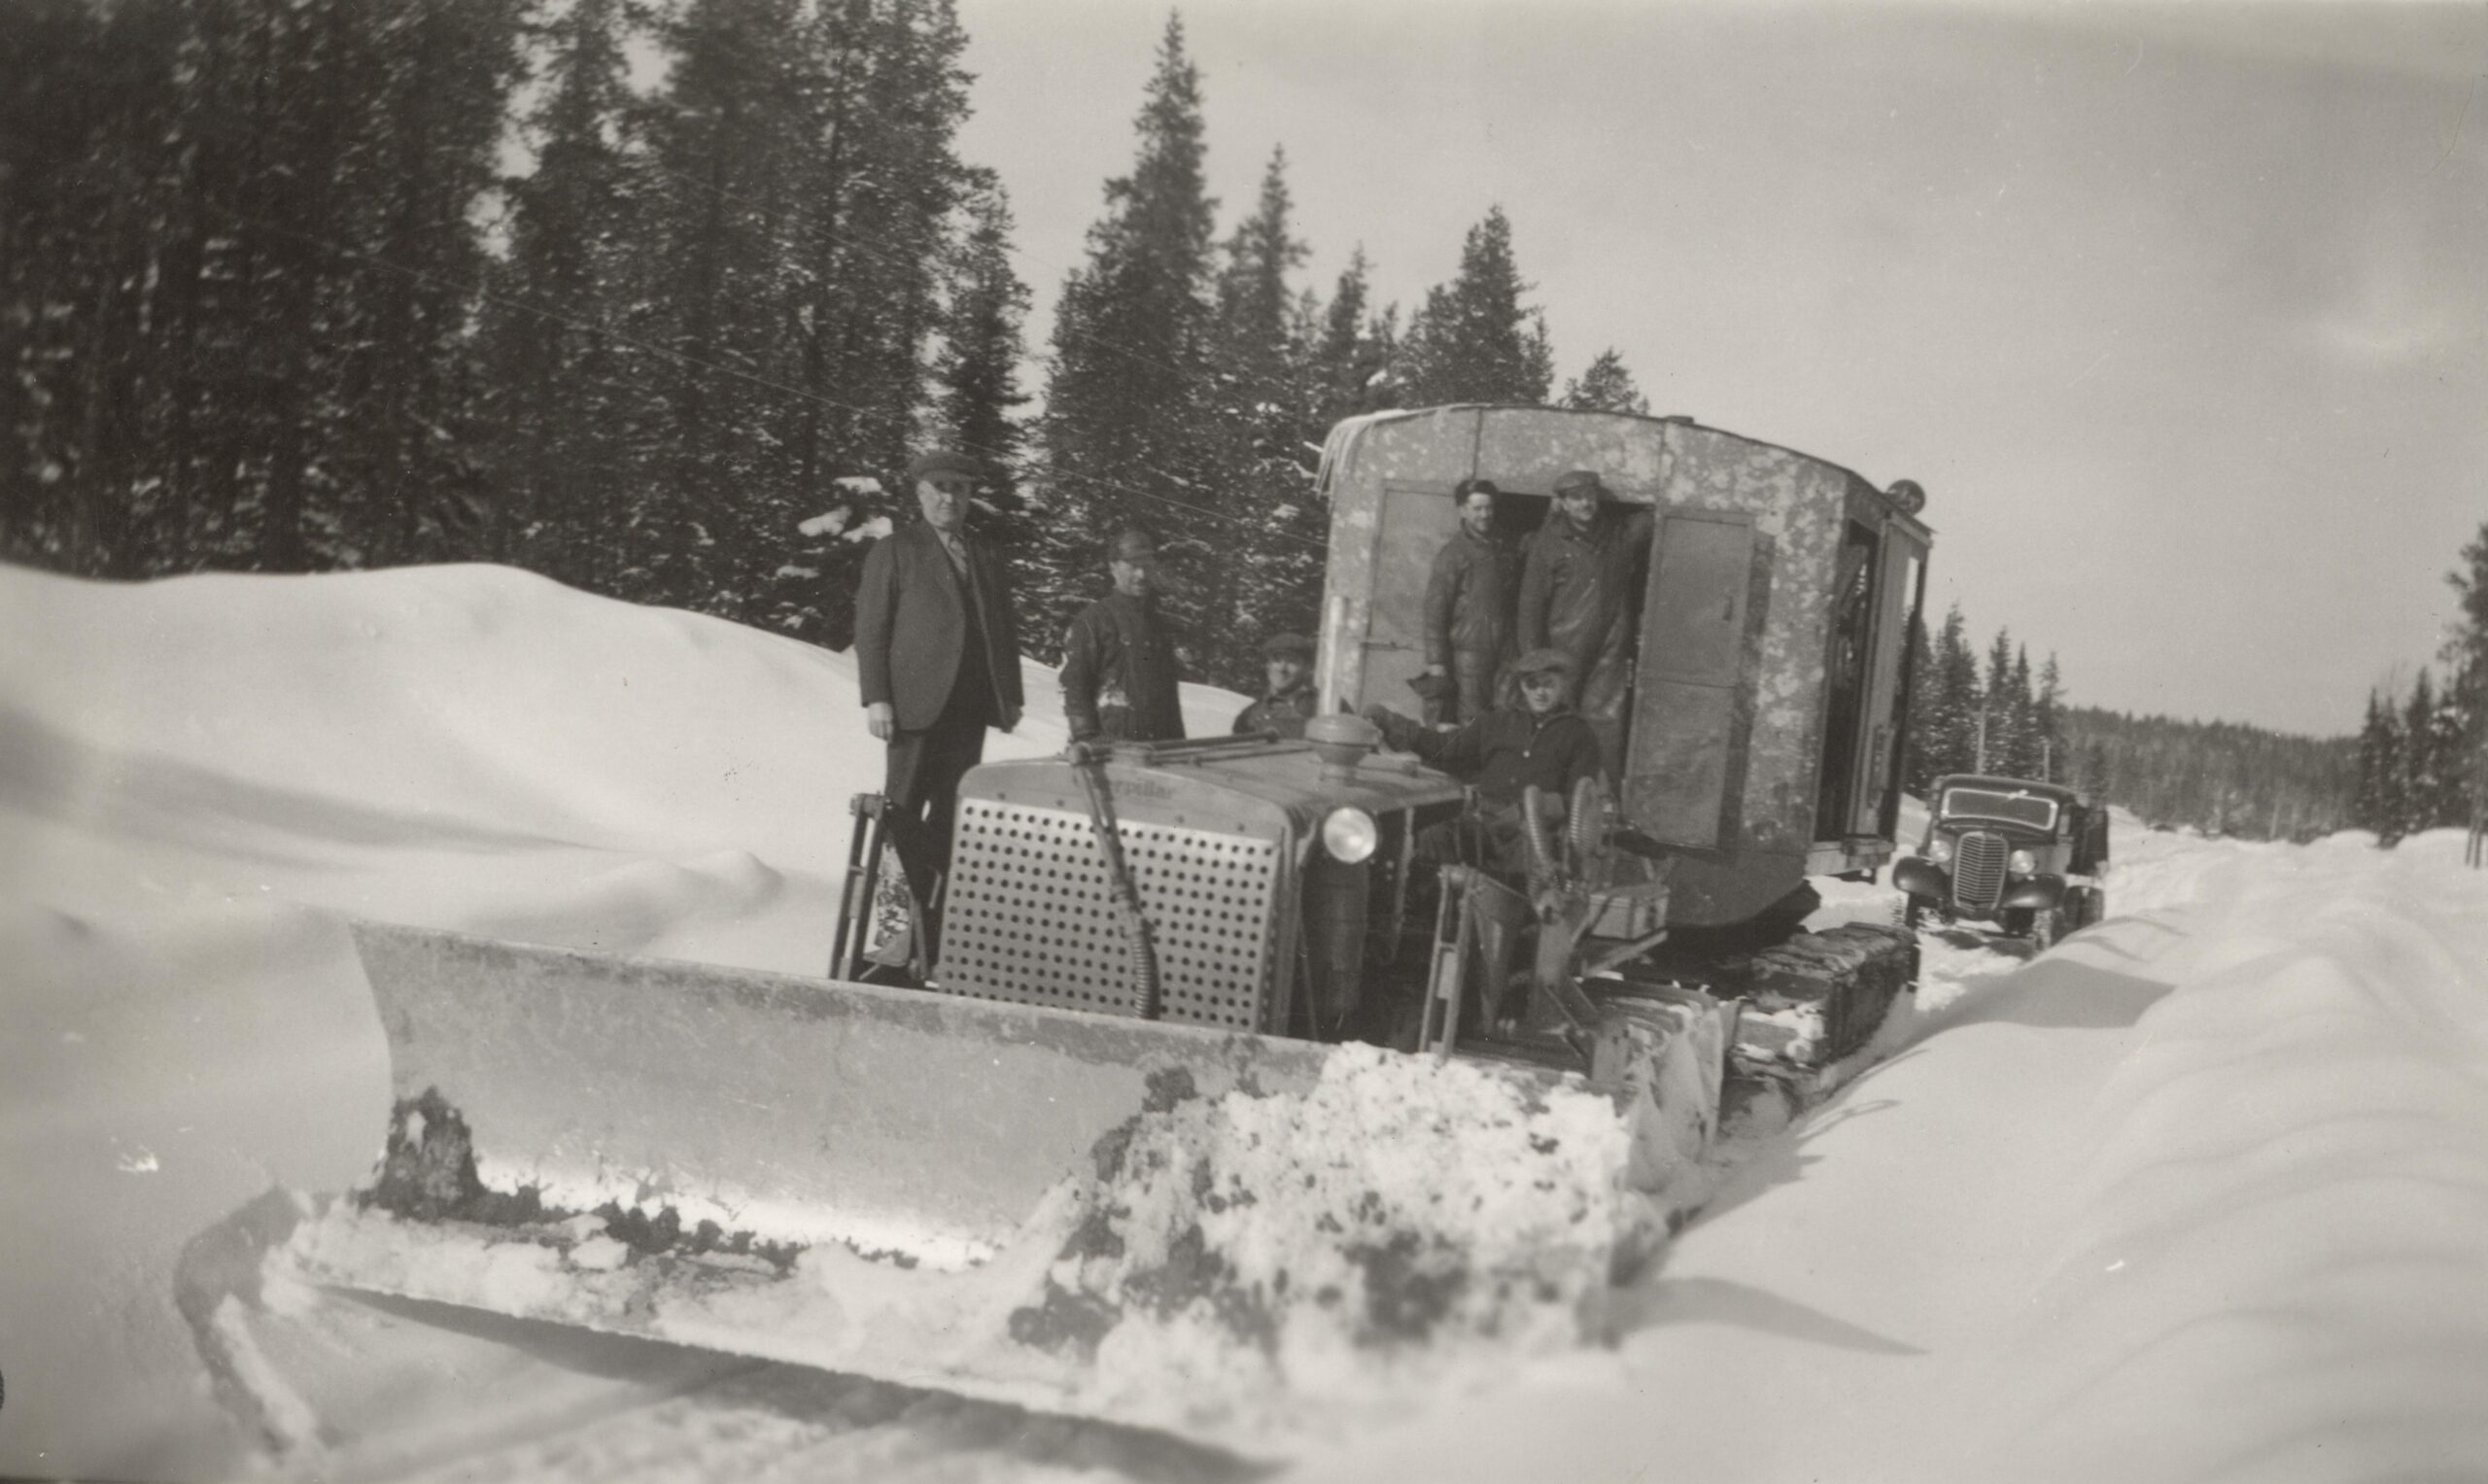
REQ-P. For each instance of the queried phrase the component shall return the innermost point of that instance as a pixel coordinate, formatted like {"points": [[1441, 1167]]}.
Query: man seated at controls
{"points": [[1542, 742], [1290, 702]]}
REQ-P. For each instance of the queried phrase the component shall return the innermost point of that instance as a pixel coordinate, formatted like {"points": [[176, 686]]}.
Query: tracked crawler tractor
{"points": [[1215, 1103]]}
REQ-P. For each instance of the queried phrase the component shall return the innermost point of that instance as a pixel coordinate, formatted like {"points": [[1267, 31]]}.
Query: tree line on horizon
{"points": [[2220, 777], [311, 285]]}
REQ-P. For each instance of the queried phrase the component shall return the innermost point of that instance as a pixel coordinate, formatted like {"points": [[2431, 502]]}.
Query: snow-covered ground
{"points": [[2202, 1194]]}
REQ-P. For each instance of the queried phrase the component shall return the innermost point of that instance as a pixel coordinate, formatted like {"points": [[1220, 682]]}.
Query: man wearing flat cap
{"points": [[1578, 587], [1290, 702], [1542, 740], [1119, 662], [1469, 608], [937, 650]]}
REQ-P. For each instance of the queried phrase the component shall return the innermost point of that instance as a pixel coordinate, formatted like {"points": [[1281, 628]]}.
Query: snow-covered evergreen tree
{"points": [[1266, 397], [567, 406], [2377, 803], [1127, 433], [1606, 387], [1474, 340], [1352, 357]]}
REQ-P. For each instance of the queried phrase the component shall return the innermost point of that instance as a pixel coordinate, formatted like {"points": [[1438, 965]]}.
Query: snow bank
{"points": [[199, 777], [2202, 1194]]}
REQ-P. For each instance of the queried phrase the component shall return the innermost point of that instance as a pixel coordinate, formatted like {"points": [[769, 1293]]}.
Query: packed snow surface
{"points": [[2202, 1194]]}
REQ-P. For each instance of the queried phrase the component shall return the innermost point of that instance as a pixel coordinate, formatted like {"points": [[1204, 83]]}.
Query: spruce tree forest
{"points": [[658, 297]]}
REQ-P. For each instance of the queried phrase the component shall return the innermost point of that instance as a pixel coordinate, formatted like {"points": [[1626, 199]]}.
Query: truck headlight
{"points": [[1938, 850], [1349, 834], [2022, 863]]}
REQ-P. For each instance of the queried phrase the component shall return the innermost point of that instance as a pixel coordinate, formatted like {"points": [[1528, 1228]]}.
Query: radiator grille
{"points": [[1977, 870], [1031, 915]]}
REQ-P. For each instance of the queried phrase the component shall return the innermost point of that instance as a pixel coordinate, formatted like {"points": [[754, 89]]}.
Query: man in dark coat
{"points": [[937, 650], [1542, 742], [1578, 592], [1468, 606], [1290, 702], [1119, 663]]}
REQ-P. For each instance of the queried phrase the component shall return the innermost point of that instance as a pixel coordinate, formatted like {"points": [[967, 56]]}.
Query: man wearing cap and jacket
{"points": [[937, 652], [1469, 608], [1578, 591], [1541, 742], [1119, 662], [1290, 702]]}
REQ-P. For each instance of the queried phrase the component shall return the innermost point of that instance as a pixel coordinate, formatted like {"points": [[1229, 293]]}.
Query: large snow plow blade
{"points": [[1154, 1223]]}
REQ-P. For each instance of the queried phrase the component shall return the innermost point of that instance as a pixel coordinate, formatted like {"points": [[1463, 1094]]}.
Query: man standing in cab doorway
{"points": [[1577, 587], [1469, 608], [1290, 703], [937, 652], [1119, 662]]}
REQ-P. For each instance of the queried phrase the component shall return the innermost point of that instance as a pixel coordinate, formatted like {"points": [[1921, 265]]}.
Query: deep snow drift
{"points": [[2202, 1194]]}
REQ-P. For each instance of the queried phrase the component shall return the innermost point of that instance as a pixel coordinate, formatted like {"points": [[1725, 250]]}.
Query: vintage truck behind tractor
{"points": [[967, 1182]]}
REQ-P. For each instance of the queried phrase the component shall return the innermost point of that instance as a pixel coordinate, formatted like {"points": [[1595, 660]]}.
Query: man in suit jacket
{"points": [[937, 650]]}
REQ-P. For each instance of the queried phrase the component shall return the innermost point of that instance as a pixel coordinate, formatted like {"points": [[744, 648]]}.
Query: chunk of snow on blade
{"points": [[861, 484], [827, 523], [872, 530]]}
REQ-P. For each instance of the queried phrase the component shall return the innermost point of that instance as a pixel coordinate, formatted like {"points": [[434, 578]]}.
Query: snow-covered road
{"points": [[2202, 1194]]}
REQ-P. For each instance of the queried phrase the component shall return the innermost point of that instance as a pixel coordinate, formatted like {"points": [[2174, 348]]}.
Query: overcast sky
{"points": [[2180, 313]]}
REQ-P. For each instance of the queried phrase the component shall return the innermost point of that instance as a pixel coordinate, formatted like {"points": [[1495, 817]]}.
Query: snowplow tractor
{"points": [[1222, 1095]]}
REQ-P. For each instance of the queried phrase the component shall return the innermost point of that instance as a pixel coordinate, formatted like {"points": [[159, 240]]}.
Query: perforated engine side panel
{"points": [[1031, 915]]}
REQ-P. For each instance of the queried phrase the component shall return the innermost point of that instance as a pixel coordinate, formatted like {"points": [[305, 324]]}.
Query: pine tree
{"points": [[2026, 750], [1352, 357], [1949, 726], [1606, 387], [2466, 652], [1474, 341], [978, 371], [1268, 409], [2377, 803], [2047, 723], [1126, 430], [397, 480], [565, 390], [1995, 707]]}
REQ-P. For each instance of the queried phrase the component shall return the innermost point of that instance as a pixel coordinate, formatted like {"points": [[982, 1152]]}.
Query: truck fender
{"points": [[2040, 893], [1921, 878]]}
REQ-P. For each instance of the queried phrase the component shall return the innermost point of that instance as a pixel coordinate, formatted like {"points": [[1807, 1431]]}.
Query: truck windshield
{"points": [[2015, 807]]}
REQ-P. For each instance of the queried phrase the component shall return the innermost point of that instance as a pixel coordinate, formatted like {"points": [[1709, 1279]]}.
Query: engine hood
{"points": [[1289, 777]]}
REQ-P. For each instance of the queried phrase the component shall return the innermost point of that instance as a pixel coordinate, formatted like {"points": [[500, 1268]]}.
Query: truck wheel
{"points": [[1913, 911], [2043, 930]]}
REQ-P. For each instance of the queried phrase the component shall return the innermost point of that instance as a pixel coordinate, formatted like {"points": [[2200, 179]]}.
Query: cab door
{"points": [[1900, 578]]}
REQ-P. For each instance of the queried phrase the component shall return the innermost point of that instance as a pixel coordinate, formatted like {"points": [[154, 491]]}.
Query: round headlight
{"points": [[1349, 834], [2022, 863], [1939, 849]]}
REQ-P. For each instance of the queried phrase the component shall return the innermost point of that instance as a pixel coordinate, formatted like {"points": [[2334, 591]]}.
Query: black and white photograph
{"points": [[1001, 742]]}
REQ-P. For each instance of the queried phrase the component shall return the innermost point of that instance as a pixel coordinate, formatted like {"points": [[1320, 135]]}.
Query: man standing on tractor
{"points": [[1577, 591], [937, 652], [1118, 660], [1542, 742], [1468, 606], [1290, 702]]}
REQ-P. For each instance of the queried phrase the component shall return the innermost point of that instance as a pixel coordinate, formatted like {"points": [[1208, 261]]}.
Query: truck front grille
{"points": [[1977, 870], [1031, 915]]}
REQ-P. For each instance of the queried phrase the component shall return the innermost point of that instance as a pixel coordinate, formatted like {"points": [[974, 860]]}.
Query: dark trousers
{"points": [[923, 790]]}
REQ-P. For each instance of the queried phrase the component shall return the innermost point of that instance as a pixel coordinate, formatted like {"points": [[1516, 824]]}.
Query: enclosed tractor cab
{"points": [[1132, 1096], [1276, 884]]}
